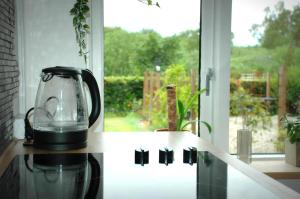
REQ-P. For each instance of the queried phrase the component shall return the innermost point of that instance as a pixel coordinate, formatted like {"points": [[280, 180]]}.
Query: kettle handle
{"points": [[28, 129], [95, 171], [89, 79]]}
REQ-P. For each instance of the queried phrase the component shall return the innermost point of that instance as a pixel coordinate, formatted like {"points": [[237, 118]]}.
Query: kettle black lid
{"points": [[61, 70], [60, 159]]}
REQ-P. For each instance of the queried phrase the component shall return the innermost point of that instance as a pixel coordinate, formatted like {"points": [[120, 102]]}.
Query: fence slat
{"points": [[151, 86]]}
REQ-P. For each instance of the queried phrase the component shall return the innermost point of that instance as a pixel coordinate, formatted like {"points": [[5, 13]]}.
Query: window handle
{"points": [[209, 76]]}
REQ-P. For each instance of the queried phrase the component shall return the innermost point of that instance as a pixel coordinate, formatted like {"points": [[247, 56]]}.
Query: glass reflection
{"points": [[43, 176], [211, 177], [82, 176]]}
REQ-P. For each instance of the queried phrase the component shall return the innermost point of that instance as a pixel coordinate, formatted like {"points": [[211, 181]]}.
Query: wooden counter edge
{"points": [[7, 155]]}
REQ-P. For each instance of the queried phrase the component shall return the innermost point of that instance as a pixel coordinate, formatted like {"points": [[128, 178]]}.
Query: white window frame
{"points": [[97, 55], [215, 55]]}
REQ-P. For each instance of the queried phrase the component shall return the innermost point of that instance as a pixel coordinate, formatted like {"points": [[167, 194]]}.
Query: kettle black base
{"points": [[60, 141]]}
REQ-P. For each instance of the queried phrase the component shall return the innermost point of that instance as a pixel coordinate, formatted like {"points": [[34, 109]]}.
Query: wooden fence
{"points": [[151, 85]]}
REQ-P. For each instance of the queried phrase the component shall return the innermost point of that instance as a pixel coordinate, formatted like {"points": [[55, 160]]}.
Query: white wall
{"points": [[46, 38], [49, 40]]}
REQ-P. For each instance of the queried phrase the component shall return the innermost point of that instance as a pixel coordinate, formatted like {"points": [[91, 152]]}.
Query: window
{"points": [[145, 49], [264, 78]]}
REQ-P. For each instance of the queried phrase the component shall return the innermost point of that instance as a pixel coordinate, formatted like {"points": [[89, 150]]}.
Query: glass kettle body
{"points": [[60, 119]]}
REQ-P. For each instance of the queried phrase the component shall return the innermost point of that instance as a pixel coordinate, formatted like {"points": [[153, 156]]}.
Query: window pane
{"points": [[265, 69], [147, 48]]}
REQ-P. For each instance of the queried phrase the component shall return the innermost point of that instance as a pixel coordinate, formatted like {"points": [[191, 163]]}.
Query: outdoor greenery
{"points": [[175, 75], [252, 110], [123, 94], [134, 53], [262, 60], [129, 123], [150, 2], [183, 112], [293, 129]]}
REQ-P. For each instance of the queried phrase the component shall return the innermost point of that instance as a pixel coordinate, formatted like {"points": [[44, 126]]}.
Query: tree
{"points": [[148, 54], [281, 27], [117, 51], [189, 48], [133, 53]]}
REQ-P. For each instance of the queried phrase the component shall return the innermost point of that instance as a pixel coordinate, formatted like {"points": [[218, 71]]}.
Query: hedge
{"points": [[122, 93], [256, 88]]}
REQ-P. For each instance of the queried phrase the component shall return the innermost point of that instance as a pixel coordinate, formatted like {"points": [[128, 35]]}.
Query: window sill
{"points": [[268, 157], [274, 165], [276, 168]]}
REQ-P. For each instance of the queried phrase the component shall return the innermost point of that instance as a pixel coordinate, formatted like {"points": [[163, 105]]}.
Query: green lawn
{"points": [[130, 122]]}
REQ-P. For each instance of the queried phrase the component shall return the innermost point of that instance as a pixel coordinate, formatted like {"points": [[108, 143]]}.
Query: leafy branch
{"points": [[183, 112], [80, 12], [251, 109], [293, 129], [150, 3]]}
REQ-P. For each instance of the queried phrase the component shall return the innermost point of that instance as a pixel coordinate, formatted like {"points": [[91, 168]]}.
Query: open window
{"points": [[147, 48]]}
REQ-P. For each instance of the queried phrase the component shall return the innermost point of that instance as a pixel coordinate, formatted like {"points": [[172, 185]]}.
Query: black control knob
{"points": [[190, 155], [166, 156], [141, 157]]}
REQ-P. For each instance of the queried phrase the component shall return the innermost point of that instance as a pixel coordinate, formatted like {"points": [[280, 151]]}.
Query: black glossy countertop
{"points": [[109, 171]]}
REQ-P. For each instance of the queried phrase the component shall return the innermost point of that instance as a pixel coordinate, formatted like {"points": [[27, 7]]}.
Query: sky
{"points": [[245, 13], [175, 16]]}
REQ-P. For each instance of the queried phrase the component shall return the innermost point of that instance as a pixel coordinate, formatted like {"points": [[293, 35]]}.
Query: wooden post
{"points": [[146, 96], [150, 94], [282, 94], [171, 100], [151, 85], [268, 91], [268, 86], [156, 87]]}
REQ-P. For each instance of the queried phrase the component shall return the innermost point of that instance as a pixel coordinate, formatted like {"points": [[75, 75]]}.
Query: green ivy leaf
{"points": [[73, 11], [180, 110]]}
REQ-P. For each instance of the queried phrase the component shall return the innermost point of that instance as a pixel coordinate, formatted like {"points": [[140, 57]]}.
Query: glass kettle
{"points": [[60, 118]]}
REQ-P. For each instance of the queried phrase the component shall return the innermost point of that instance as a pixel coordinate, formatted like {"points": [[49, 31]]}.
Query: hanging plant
{"points": [[150, 3], [80, 12]]}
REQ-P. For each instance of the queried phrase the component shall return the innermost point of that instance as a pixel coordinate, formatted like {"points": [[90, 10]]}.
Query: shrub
{"points": [[122, 94], [250, 108], [293, 89], [256, 88]]}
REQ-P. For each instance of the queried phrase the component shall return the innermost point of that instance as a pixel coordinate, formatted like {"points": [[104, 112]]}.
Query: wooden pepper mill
{"points": [[171, 103]]}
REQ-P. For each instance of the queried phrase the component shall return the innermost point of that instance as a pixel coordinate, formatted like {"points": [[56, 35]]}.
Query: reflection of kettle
{"points": [[65, 176], [60, 118]]}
